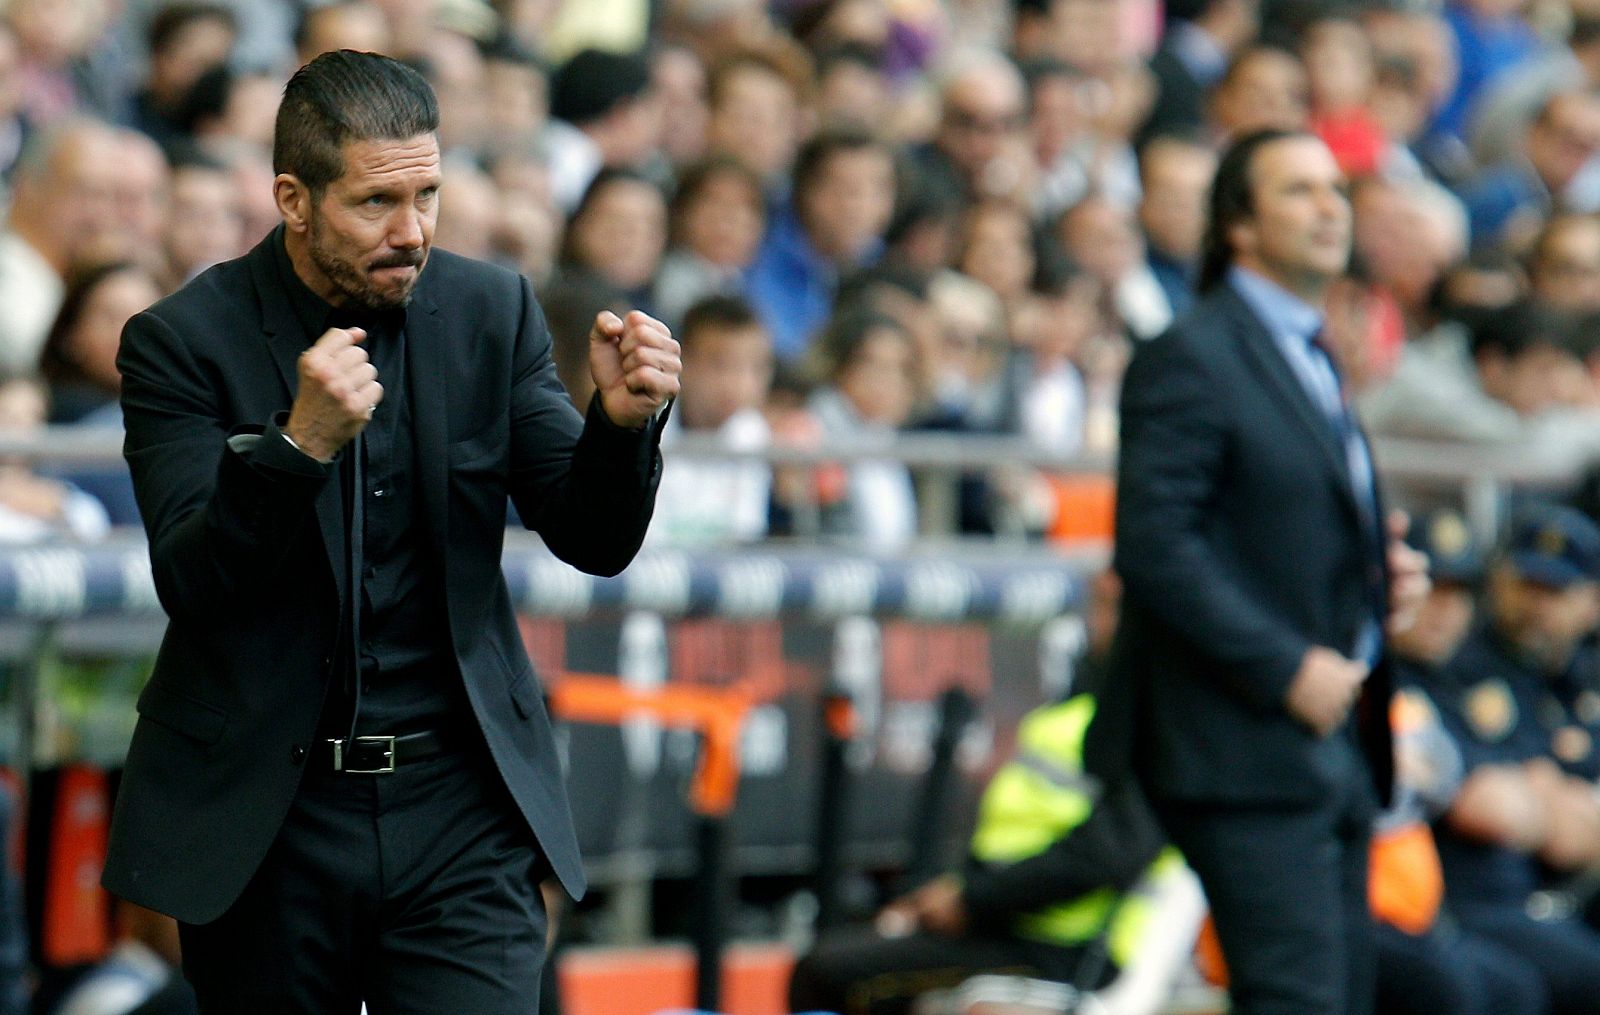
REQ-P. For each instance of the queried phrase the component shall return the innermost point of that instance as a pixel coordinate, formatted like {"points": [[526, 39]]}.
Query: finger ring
{"points": [[371, 409]]}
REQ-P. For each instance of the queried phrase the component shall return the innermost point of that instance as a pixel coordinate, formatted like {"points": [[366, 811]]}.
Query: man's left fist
{"points": [[635, 363]]}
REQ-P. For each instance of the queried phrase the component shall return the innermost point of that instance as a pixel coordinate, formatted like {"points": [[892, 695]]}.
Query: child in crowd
{"points": [[868, 360], [727, 369], [34, 509]]}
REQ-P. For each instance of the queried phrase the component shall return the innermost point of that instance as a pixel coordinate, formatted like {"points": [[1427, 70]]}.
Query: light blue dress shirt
{"points": [[1294, 326]]}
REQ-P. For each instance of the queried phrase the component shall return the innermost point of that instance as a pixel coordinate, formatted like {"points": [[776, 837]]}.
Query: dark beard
{"points": [[359, 293]]}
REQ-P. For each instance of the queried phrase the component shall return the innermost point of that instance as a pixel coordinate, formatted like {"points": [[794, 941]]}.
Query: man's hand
{"points": [[635, 364], [939, 907], [339, 391], [1409, 583], [1324, 688]]}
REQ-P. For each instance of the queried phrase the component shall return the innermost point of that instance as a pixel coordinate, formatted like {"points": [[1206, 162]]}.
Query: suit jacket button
{"points": [[297, 754]]}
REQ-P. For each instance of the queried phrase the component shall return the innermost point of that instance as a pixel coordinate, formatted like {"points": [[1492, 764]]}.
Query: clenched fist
{"points": [[635, 364], [339, 391]]}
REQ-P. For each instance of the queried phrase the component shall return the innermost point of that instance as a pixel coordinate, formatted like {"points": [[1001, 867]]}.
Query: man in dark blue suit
{"points": [[1250, 691], [343, 783]]}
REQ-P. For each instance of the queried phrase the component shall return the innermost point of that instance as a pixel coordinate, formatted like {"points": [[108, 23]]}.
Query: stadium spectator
{"points": [[469, 210], [981, 148], [727, 369], [79, 359], [1409, 232], [456, 70], [1513, 699], [140, 192], [618, 233], [1521, 360], [35, 508], [1175, 175], [1200, 40], [757, 113], [680, 80], [529, 231], [1103, 238], [185, 39], [1555, 169], [853, 90], [995, 245], [1491, 37], [605, 115], [1514, 98], [63, 209], [206, 224], [515, 98], [871, 386], [1341, 75], [1564, 263], [844, 190], [341, 24], [1265, 88], [1075, 155], [718, 218]]}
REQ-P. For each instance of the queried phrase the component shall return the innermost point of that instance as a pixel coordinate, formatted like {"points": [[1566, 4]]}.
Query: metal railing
{"points": [[1480, 473]]}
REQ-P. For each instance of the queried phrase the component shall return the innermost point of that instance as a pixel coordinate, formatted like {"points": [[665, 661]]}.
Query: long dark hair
{"points": [[1233, 201]]}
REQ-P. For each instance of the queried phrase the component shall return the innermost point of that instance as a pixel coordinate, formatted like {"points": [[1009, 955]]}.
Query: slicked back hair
{"points": [[1233, 201], [347, 96]]}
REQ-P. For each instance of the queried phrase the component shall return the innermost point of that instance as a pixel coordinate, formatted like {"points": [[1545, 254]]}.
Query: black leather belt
{"points": [[377, 755]]}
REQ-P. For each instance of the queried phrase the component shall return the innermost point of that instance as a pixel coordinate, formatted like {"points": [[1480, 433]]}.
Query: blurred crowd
{"points": [[859, 216]]}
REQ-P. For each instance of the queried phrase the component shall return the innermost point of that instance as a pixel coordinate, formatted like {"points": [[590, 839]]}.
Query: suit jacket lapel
{"points": [[1264, 356], [427, 371], [286, 340]]}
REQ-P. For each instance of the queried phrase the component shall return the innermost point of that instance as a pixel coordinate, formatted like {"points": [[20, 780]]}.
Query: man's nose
{"points": [[405, 229]]}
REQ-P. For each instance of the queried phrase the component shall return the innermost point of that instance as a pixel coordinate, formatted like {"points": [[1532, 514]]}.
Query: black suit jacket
{"points": [[1240, 546], [249, 567]]}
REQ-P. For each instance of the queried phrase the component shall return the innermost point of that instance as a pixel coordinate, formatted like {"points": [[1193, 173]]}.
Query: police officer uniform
{"points": [[1427, 963], [1503, 708]]}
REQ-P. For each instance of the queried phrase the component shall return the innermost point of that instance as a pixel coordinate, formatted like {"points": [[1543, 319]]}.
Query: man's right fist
{"points": [[339, 391]]}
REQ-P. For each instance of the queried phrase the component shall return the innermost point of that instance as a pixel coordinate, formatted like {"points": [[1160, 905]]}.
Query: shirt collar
{"points": [[1284, 313]]}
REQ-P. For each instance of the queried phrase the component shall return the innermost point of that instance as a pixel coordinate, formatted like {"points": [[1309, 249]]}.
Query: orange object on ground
{"points": [[1406, 884], [643, 981], [76, 911], [1208, 955], [716, 713]]}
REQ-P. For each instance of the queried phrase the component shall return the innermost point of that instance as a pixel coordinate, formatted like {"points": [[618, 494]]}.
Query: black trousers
{"points": [[416, 892], [1449, 972], [1288, 895], [1565, 951], [857, 971]]}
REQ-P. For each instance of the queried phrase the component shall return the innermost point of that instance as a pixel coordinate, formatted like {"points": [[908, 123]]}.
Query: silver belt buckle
{"points": [[388, 756]]}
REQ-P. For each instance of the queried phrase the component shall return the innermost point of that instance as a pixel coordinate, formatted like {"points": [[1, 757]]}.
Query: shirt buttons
{"points": [[297, 754]]}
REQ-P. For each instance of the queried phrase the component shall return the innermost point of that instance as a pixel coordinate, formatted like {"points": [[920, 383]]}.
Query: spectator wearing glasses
{"points": [[1555, 170]]}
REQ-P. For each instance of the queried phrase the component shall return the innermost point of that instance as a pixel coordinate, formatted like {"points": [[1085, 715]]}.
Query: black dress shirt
{"points": [[408, 674]]}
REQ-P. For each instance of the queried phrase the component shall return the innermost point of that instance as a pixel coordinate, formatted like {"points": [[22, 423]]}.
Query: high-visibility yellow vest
{"points": [[1036, 799]]}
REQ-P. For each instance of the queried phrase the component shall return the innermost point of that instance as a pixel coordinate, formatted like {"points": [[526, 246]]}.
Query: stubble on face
{"points": [[353, 280]]}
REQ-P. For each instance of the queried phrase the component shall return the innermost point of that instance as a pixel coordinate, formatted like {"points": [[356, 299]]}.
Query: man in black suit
{"points": [[343, 782], [1248, 670]]}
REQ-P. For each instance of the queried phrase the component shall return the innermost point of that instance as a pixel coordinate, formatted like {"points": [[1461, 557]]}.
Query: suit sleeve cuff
{"points": [[609, 442], [272, 455]]}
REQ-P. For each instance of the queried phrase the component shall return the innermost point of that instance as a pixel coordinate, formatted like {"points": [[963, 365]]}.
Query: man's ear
{"points": [[1242, 236], [293, 199]]}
